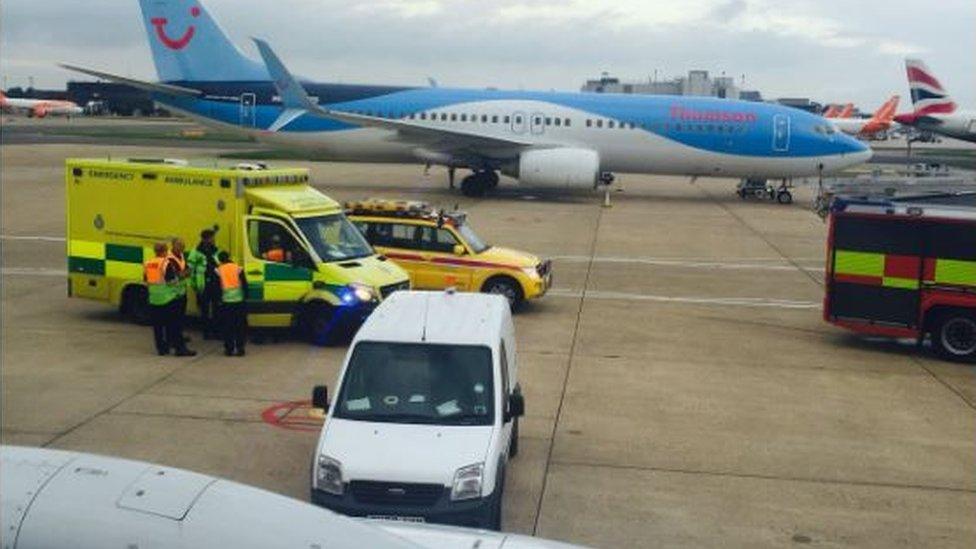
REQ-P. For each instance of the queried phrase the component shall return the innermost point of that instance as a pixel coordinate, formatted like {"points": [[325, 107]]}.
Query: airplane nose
{"points": [[857, 151]]}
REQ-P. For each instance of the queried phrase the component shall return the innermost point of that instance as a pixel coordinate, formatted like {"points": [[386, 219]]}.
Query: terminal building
{"points": [[698, 83]]}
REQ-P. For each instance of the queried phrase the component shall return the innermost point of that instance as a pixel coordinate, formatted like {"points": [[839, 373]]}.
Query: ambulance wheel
{"points": [[513, 447], [954, 335], [507, 287], [135, 305], [317, 324], [784, 197]]}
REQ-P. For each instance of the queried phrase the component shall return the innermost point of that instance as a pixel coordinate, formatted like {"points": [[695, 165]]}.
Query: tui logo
{"points": [[159, 23]]}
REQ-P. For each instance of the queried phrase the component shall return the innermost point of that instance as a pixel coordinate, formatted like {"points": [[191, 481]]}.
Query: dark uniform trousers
{"points": [[159, 315], [208, 301], [175, 321], [234, 323]]}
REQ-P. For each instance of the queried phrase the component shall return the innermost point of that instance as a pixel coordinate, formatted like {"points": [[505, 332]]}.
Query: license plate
{"points": [[396, 518]]}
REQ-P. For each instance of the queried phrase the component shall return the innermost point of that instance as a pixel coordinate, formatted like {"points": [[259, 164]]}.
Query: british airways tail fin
{"points": [[928, 95], [188, 45]]}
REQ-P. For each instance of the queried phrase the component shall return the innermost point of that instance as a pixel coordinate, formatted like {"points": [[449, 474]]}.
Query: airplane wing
{"points": [[168, 89], [297, 102]]}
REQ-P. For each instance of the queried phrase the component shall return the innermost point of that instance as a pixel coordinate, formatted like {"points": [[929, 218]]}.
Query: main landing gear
{"points": [[479, 183], [759, 188]]}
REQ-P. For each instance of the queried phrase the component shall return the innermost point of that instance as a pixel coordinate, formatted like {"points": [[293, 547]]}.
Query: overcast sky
{"points": [[830, 50]]}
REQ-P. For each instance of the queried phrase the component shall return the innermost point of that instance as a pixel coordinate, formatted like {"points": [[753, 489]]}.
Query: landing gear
{"points": [[760, 189], [783, 194], [450, 177], [478, 183]]}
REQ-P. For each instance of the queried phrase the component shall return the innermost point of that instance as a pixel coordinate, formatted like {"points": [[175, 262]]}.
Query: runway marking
{"points": [[32, 271], [695, 300], [32, 237], [692, 263]]}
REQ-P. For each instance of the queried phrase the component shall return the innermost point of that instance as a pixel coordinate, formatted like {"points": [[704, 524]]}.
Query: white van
{"points": [[426, 414]]}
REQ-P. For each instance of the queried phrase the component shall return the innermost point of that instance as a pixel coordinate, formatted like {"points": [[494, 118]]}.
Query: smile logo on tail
{"points": [[159, 23]]}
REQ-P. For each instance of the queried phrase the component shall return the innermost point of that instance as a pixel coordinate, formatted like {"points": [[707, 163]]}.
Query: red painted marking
{"points": [[468, 263], [858, 279], [901, 266], [292, 415], [159, 23], [405, 257], [918, 75], [928, 270]]}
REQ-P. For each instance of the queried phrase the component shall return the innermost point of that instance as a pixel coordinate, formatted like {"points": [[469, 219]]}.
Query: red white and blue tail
{"points": [[928, 95]]}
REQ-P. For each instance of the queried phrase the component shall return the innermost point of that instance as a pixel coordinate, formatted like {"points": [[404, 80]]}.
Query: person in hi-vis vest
{"points": [[233, 307], [177, 276]]}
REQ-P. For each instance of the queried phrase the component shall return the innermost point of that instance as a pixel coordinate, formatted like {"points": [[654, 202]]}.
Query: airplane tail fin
{"points": [[831, 111], [886, 113], [847, 111], [188, 45], [928, 95]]}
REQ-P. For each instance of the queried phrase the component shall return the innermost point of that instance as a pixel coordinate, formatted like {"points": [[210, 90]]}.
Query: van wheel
{"points": [[135, 305], [317, 324], [954, 335], [507, 287], [513, 445]]}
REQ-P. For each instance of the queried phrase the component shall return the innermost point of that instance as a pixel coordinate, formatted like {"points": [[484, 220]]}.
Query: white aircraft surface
{"points": [[54, 499]]}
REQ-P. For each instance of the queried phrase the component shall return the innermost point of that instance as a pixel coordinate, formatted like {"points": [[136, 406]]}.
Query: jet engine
{"points": [[562, 167]]}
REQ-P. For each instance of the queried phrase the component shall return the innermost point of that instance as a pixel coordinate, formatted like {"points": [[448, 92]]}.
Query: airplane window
{"points": [[589, 123], [464, 118], [453, 117], [548, 121], [494, 119], [566, 123], [538, 121], [610, 124], [518, 119], [423, 116], [484, 118], [599, 123], [558, 121]]}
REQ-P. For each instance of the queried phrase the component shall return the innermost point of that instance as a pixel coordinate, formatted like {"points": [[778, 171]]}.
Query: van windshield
{"points": [[418, 383], [334, 238]]}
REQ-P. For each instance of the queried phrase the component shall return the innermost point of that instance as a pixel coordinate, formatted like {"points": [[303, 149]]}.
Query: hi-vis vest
{"points": [[230, 283], [275, 254], [180, 285], [160, 293]]}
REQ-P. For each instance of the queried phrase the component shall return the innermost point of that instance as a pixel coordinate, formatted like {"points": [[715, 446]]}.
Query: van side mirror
{"points": [[459, 250], [320, 397], [516, 405]]}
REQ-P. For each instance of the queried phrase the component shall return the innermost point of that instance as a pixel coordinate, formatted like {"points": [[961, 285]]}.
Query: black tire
{"points": [[507, 287], [513, 446], [474, 185], [135, 305], [492, 179], [316, 324], [495, 517], [954, 335], [784, 197]]}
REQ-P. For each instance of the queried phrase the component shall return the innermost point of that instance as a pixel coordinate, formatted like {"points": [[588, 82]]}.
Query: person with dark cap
{"points": [[233, 308], [202, 262]]}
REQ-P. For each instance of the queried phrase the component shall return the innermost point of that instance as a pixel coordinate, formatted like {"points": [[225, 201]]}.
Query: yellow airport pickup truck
{"points": [[440, 250], [326, 284]]}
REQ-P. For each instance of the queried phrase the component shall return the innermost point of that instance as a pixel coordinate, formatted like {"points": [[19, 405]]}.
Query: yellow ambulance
{"points": [[440, 250], [326, 284]]}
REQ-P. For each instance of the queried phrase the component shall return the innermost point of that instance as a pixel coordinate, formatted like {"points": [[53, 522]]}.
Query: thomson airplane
{"points": [[541, 138], [39, 108], [935, 111]]}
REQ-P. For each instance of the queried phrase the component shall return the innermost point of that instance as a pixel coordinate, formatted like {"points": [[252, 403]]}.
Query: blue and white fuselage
{"points": [[549, 138]]}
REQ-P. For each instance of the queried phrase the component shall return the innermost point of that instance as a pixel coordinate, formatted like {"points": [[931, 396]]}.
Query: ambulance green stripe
{"points": [[119, 252], [280, 272], [86, 265]]}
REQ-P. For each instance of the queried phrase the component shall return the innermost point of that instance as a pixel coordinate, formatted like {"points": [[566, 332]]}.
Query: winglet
{"points": [[293, 95]]}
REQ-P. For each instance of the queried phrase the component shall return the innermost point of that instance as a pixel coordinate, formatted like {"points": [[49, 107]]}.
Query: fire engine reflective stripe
{"points": [[956, 272], [859, 263], [230, 283], [905, 283]]}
